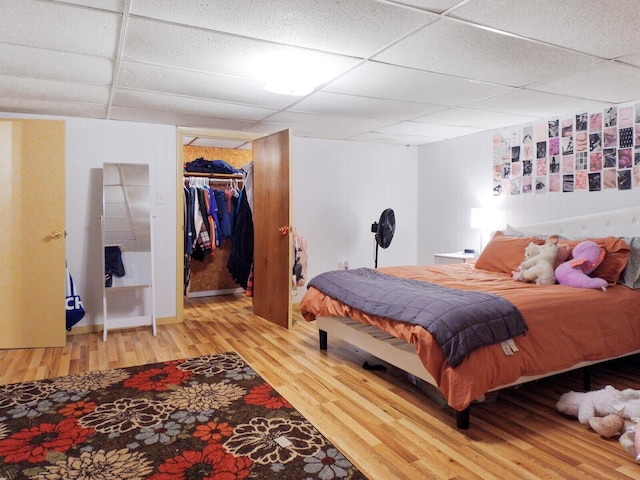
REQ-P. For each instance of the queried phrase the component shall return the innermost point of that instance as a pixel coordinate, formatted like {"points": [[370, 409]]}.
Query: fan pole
{"points": [[375, 262]]}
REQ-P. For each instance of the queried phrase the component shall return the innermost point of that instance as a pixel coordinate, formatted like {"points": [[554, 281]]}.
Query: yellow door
{"points": [[273, 252], [32, 245]]}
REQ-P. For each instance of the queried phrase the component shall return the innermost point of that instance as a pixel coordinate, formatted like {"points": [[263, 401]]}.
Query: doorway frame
{"points": [[181, 132]]}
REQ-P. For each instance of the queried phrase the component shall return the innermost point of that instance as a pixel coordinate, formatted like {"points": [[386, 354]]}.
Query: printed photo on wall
{"points": [[516, 170], [626, 137], [582, 120], [610, 115], [567, 145], [567, 183], [555, 183], [595, 182], [624, 179], [609, 179], [624, 158], [610, 137], [553, 128], [595, 161], [581, 140], [625, 117], [595, 122], [610, 158], [567, 164], [581, 181], [541, 184], [515, 154], [516, 186]]}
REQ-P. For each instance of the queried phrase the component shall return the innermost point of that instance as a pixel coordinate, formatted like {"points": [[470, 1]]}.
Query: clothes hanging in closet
{"points": [[241, 258], [210, 216]]}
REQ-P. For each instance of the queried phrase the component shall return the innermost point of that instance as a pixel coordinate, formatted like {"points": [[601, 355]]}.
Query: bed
{"points": [[566, 328]]}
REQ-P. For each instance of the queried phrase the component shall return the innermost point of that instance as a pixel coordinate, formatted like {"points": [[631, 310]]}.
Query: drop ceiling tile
{"points": [[327, 26], [154, 78], [396, 139], [268, 129], [215, 52], [633, 59], [55, 108], [610, 82], [606, 28], [347, 124], [467, 117], [111, 5], [170, 118], [188, 106], [59, 27], [52, 90], [341, 104], [427, 130], [536, 104], [454, 48], [437, 6], [19, 61], [380, 80]]}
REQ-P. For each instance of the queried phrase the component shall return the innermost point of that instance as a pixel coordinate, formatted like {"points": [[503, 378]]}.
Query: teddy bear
{"points": [[609, 412], [587, 255], [538, 264]]}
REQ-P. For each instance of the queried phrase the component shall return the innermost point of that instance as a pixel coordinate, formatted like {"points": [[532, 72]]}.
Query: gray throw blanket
{"points": [[459, 320]]}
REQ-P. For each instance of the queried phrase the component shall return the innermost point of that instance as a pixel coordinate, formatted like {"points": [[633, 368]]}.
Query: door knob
{"points": [[55, 235], [284, 230]]}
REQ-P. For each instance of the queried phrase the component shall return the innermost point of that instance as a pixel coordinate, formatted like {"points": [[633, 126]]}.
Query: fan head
{"points": [[386, 228]]}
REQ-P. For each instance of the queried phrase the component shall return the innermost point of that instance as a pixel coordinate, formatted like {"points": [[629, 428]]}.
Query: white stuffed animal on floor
{"points": [[538, 264], [609, 412]]}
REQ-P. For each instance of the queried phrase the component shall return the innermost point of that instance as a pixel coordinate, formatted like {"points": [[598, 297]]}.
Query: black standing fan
{"points": [[384, 230]]}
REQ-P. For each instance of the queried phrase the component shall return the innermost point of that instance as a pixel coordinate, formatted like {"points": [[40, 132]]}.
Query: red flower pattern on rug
{"points": [[206, 418]]}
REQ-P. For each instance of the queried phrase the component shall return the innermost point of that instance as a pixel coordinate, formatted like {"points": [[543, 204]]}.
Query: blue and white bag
{"points": [[73, 305]]}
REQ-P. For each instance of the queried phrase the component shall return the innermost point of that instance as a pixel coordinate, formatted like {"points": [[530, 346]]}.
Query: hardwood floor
{"points": [[387, 427]]}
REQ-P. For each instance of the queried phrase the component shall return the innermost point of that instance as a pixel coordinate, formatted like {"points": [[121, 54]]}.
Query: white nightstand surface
{"points": [[455, 257]]}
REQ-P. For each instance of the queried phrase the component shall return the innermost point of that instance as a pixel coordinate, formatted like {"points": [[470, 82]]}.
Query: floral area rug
{"points": [[210, 417]]}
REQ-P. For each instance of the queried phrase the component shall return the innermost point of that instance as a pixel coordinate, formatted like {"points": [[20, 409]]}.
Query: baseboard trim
{"points": [[81, 329]]}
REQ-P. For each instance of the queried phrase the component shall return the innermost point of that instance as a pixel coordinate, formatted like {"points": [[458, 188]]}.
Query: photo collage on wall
{"points": [[591, 151]]}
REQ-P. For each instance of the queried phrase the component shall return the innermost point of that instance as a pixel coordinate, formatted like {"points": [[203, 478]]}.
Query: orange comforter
{"points": [[566, 326]]}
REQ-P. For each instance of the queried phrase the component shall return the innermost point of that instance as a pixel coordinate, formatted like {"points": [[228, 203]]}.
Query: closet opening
{"points": [[204, 281], [268, 203]]}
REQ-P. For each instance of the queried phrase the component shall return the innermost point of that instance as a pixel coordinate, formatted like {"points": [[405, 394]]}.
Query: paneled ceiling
{"points": [[406, 72]]}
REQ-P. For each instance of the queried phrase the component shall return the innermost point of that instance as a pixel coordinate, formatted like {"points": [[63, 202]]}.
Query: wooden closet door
{"points": [[32, 245], [273, 253]]}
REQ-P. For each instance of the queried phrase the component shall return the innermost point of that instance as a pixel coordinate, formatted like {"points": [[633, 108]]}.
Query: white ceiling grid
{"points": [[405, 72]]}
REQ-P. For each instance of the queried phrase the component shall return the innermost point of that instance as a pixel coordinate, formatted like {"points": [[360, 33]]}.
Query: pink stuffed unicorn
{"points": [[587, 255]]}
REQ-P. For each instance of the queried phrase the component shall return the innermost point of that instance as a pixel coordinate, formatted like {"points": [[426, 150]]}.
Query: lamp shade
{"points": [[480, 217]]}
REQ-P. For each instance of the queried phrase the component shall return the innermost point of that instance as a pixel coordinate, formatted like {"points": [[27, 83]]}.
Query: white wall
{"points": [[340, 188], [90, 143], [455, 175]]}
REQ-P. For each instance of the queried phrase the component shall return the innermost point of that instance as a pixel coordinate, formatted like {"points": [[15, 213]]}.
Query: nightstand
{"points": [[455, 257]]}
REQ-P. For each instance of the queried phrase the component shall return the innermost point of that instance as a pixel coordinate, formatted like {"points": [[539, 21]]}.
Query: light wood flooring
{"points": [[387, 427]]}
